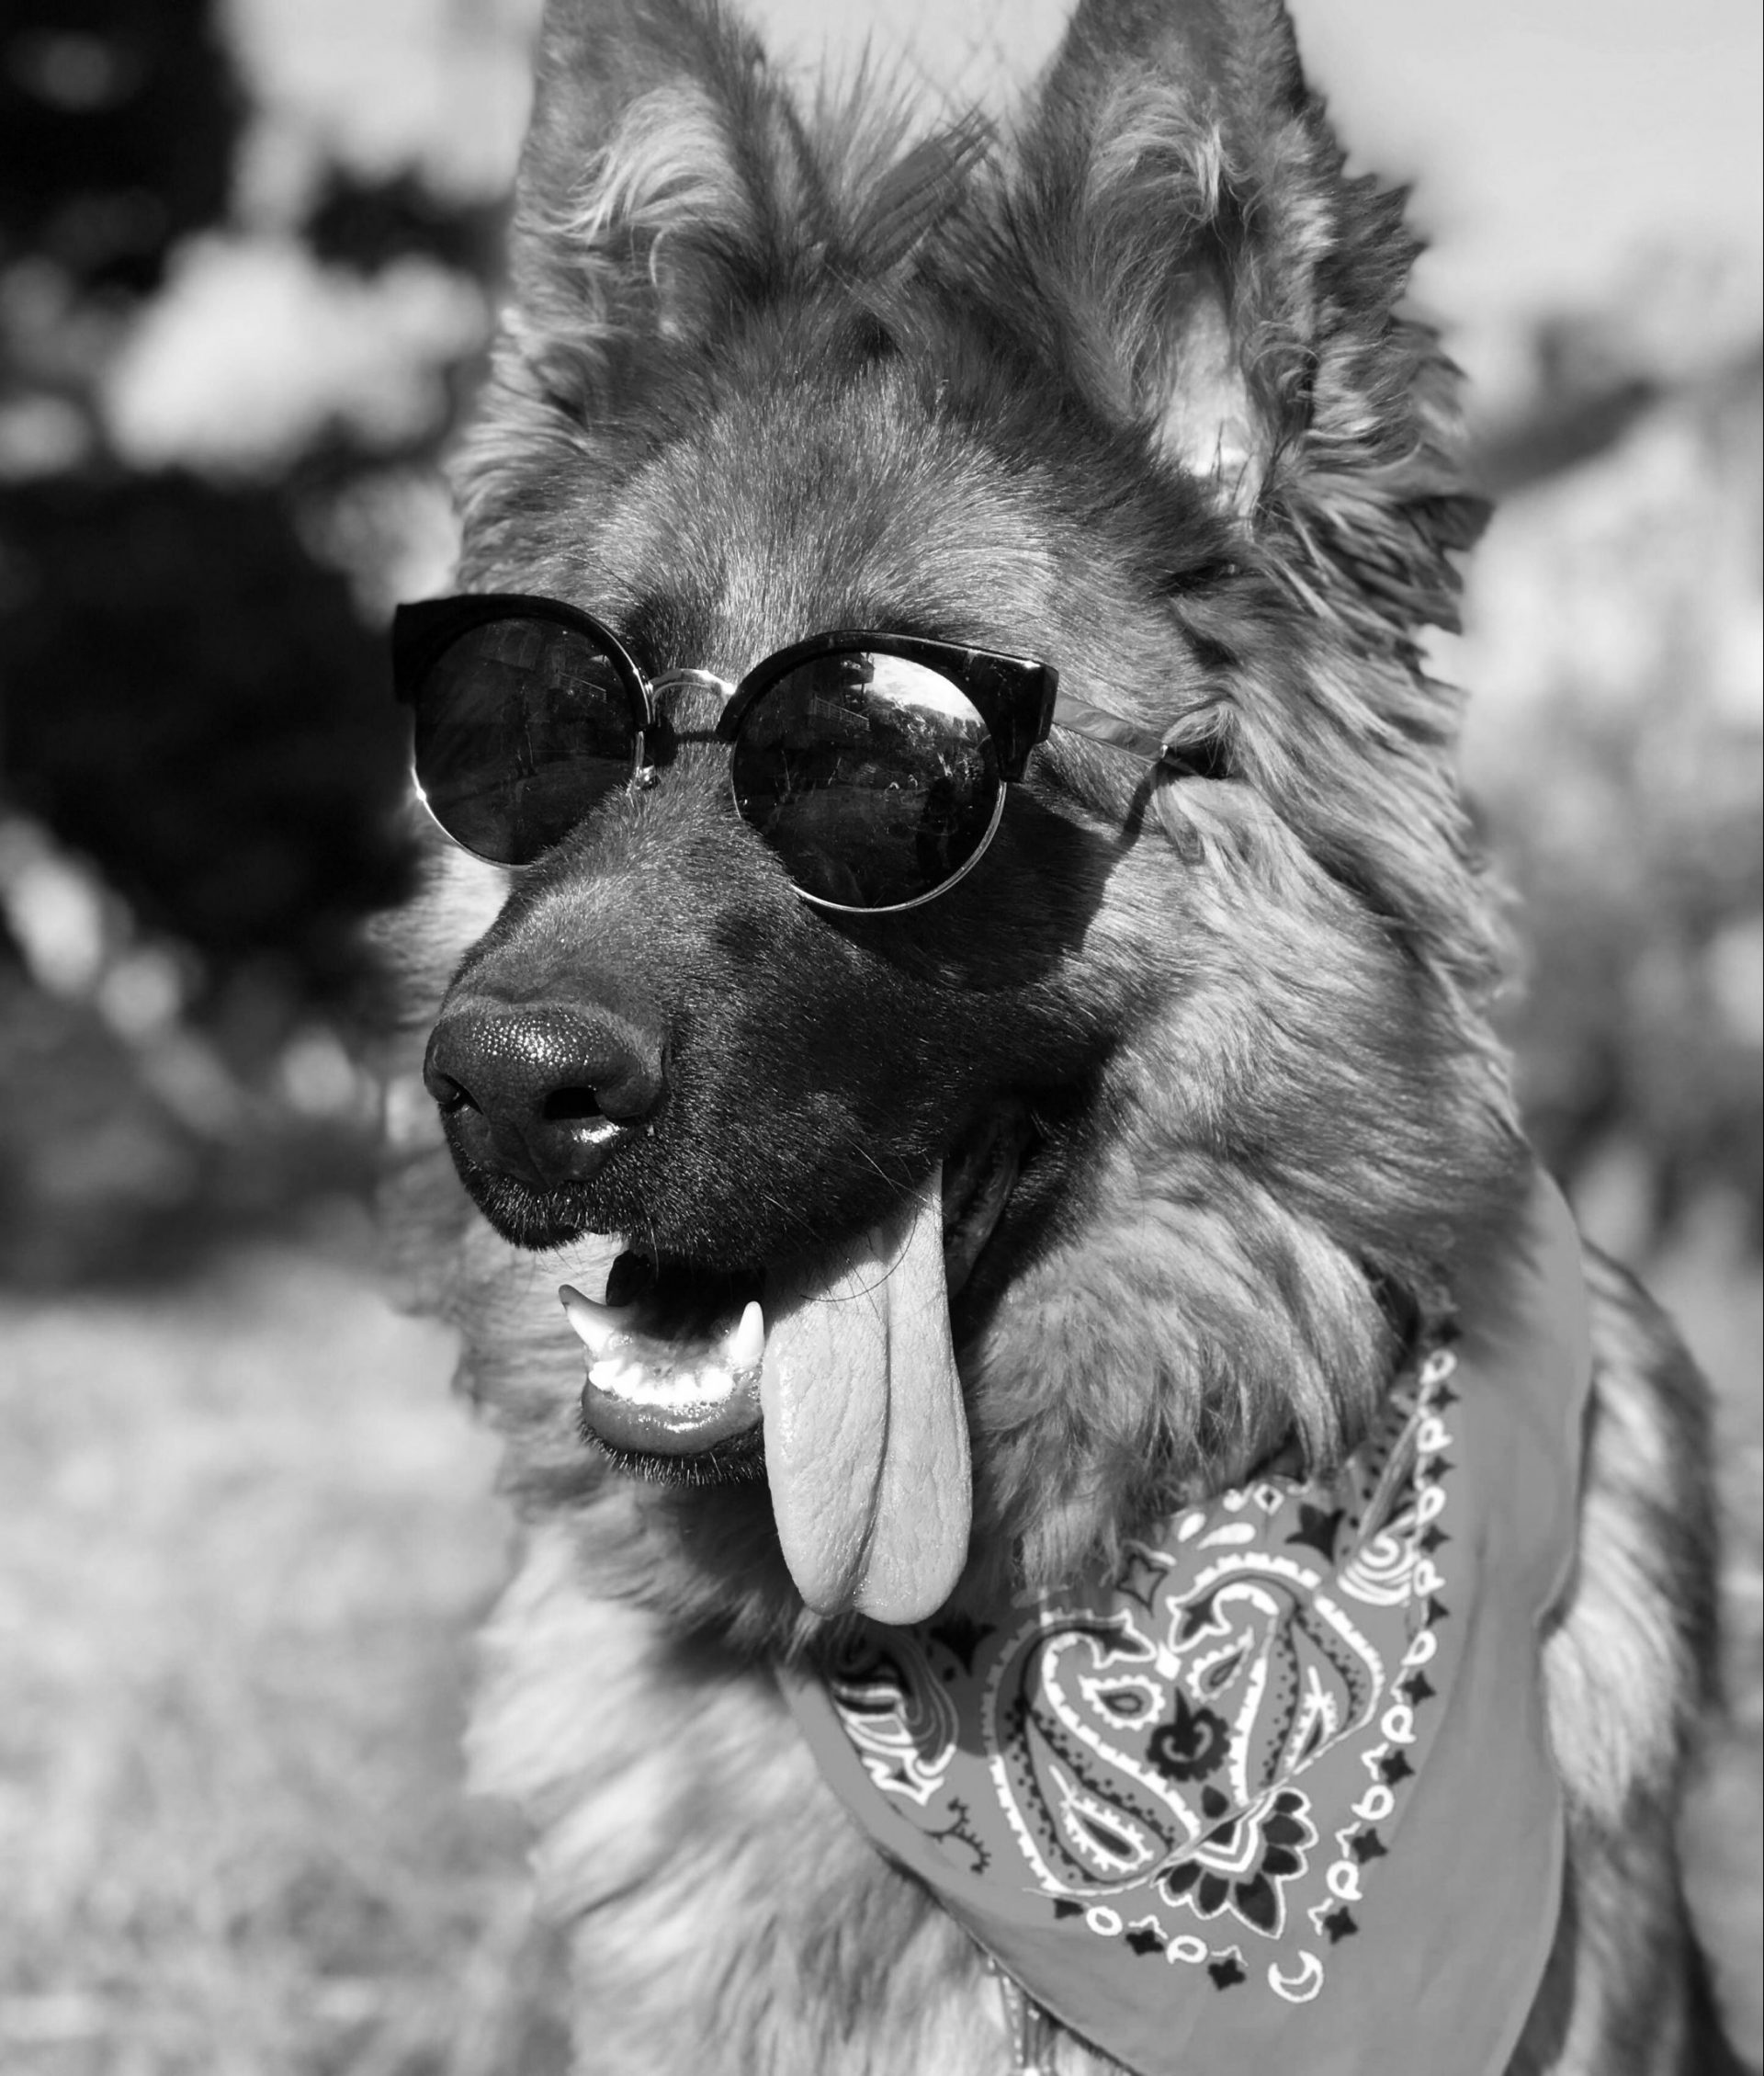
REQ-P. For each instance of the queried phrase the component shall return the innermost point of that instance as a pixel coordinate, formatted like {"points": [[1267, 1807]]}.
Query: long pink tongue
{"points": [[865, 1435]]}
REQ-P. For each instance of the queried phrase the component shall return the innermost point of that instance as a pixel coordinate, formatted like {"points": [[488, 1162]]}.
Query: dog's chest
{"points": [[726, 1912]]}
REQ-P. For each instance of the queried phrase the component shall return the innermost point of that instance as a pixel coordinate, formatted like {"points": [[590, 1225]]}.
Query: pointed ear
{"points": [[669, 185], [1211, 276], [650, 177]]}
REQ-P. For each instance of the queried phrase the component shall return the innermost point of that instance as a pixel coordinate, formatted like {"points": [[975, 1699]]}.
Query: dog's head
{"points": [[1122, 1162]]}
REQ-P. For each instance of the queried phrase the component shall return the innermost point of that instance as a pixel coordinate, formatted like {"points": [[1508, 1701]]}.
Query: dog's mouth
{"points": [[834, 1374]]}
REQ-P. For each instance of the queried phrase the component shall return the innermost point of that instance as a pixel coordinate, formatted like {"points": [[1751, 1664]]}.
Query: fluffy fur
{"points": [[1130, 389]]}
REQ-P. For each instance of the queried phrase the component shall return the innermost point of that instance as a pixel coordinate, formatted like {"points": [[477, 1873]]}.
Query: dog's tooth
{"points": [[622, 1376], [595, 1325], [745, 1346]]}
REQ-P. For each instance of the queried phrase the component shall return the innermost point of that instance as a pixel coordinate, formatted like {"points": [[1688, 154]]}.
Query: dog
{"points": [[1105, 1518]]}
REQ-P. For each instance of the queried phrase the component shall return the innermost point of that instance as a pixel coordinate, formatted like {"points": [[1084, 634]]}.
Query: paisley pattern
{"points": [[1200, 1760]]}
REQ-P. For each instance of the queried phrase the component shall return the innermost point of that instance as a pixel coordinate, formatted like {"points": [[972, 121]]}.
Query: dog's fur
{"points": [[1129, 389]]}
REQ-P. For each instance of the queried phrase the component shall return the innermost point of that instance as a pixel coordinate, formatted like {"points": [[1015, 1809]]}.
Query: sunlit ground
{"points": [[245, 1536]]}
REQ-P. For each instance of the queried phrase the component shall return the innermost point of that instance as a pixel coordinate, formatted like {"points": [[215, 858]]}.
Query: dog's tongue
{"points": [[865, 1438]]}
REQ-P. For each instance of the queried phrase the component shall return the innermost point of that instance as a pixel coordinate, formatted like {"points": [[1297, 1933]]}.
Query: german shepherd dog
{"points": [[960, 912]]}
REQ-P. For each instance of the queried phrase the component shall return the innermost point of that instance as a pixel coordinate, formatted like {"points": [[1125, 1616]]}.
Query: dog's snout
{"points": [[541, 1093]]}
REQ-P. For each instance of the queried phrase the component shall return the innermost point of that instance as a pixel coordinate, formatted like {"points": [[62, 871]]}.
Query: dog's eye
{"points": [[1204, 759], [1201, 575], [1199, 744]]}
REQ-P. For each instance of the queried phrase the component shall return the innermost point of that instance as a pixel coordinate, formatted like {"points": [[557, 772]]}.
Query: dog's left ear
{"points": [[1214, 278]]}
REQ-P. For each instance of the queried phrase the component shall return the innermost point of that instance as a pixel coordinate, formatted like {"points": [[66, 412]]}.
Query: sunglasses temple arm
{"points": [[1096, 726]]}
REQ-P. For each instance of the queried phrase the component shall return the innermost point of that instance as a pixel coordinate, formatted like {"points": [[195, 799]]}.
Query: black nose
{"points": [[543, 1093]]}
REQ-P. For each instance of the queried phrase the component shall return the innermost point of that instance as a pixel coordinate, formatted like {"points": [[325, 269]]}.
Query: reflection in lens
{"points": [[874, 778], [521, 727]]}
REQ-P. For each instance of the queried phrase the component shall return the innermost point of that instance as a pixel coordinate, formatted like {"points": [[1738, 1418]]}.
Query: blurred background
{"points": [[247, 269]]}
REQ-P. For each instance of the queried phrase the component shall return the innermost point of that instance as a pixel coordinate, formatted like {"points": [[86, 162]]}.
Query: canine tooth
{"points": [[595, 1325], [746, 1345]]}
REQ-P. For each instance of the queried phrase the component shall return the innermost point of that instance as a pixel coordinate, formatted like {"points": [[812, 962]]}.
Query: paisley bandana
{"points": [[1277, 1795]]}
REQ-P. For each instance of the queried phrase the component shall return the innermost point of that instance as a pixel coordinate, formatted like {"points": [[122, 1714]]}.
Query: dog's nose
{"points": [[543, 1093]]}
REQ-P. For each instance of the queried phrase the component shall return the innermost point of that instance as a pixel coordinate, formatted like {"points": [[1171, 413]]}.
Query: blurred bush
{"points": [[1616, 666], [118, 124], [228, 327], [193, 705]]}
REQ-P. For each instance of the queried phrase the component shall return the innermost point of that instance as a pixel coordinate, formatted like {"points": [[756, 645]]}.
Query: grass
{"points": [[245, 1536], [244, 1539]]}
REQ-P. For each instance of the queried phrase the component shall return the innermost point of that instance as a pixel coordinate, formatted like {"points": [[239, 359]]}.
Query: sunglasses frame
{"points": [[1016, 698]]}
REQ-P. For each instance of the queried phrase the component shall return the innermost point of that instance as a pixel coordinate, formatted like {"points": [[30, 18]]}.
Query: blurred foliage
{"points": [[1638, 1028], [1616, 671], [118, 123], [192, 704], [201, 767], [367, 224]]}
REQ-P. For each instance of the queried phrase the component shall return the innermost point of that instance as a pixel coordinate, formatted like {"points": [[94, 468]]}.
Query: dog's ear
{"points": [[660, 170], [668, 188], [660, 158], [1214, 276]]}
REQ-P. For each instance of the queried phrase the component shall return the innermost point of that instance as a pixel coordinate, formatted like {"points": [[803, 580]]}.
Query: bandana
{"points": [[1280, 1787]]}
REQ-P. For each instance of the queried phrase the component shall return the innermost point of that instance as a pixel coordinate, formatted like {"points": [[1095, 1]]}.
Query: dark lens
{"points": [[874, 778], [521, 726]]}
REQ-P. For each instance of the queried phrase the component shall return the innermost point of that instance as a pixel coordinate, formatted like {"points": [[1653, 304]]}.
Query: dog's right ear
{"points": [[655, 152], [668, 188], [661, 160]]}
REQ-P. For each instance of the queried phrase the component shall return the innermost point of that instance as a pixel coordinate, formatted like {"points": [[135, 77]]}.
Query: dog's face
{"points": [[1118, 1164]]}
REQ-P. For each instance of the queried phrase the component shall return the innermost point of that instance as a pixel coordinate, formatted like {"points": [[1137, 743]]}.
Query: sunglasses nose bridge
{"points": [[693, 681], [690, 703]]}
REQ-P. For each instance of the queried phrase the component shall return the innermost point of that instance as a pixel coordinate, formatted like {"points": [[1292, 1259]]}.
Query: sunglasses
{"points": [[875, 766]]}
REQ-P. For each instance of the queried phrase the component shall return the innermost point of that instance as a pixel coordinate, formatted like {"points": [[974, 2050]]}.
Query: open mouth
{"points": [[834, 1375]]}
